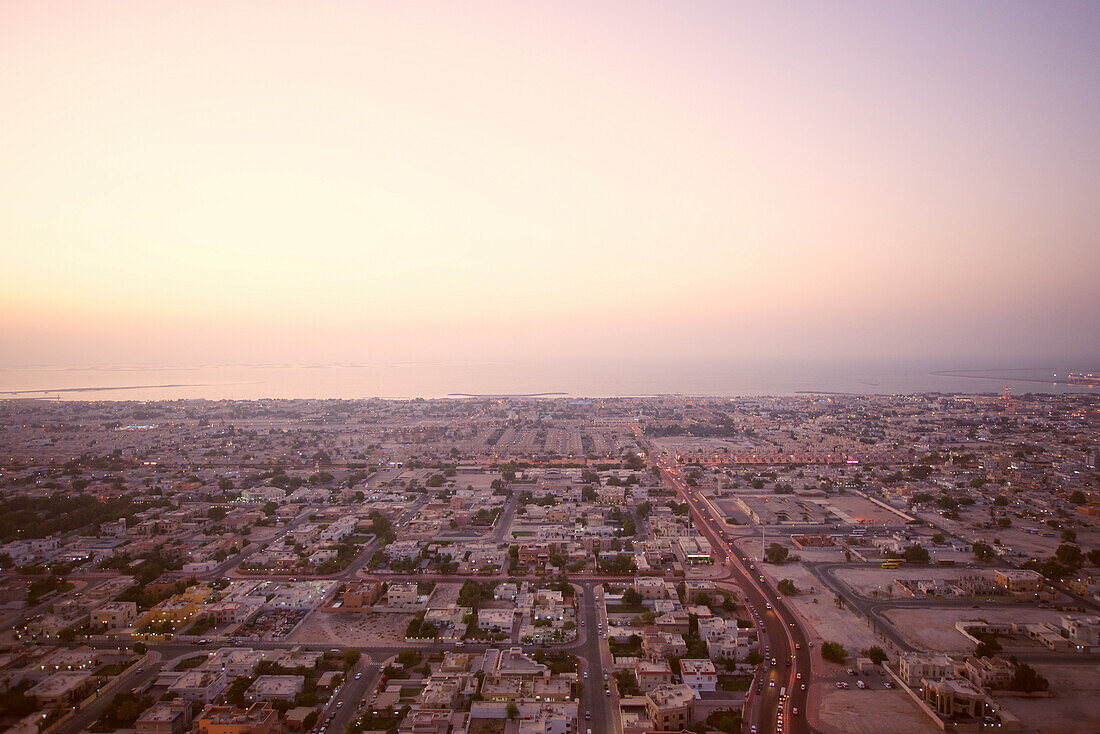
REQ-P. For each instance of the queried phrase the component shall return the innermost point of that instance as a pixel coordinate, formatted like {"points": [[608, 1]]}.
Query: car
{"points": [[797, 646], [339, 704], [840, 684], [794, 711], [588, 715], [752, 729], [851, 672], [586, 675], [810, 643], [798, 676], [606, 691], [773, 661], [803, 687], [771, 684], [888, 684], [606, 676], [358, 676]]}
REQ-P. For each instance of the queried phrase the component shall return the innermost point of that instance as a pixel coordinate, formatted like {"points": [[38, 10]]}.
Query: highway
{"points": [[781, 632], [590, 650]]}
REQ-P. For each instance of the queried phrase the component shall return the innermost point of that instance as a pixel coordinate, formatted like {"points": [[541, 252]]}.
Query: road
{"points": [[135, 678], [353, 696], [592, 652], [504, 522], [781, 630]]}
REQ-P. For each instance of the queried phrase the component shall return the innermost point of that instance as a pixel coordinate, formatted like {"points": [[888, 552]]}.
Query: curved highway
{"points": [[781, 633]]}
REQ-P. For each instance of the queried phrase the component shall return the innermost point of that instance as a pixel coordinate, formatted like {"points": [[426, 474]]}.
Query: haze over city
{"points": [[206, 183]]}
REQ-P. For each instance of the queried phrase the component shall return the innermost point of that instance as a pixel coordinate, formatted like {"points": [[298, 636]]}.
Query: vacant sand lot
{"points": [[353, 628], [875, 711], [829, 622]]}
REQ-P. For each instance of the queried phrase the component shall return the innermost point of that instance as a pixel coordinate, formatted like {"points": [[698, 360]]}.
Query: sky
{"points": [[208, 182]]}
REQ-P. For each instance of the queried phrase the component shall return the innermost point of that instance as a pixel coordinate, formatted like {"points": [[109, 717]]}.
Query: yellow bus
{"points": [[892, 563]]}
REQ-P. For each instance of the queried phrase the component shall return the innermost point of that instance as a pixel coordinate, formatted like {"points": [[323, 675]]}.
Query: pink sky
{"points": [[210, 181]]}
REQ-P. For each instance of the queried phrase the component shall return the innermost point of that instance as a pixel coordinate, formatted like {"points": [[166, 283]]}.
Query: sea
{"points": [[573, 378]]}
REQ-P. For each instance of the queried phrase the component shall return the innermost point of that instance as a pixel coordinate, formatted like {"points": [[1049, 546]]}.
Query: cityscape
{"points": [[820, 563], [549, 367]]}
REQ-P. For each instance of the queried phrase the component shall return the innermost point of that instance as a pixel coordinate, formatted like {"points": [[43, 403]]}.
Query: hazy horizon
{"points": [[208, 183]]}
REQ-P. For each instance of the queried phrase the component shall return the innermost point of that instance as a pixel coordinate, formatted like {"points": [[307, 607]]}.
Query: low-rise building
{"points": [[699, 674], [670, 708], [165, 717]]}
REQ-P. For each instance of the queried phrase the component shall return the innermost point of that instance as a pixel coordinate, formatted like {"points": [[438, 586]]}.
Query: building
{"points": [[955, 698], [234, 661], [670, 708], [652, 673], [200, 685], [115, 615], [993, 673], [363, 594], [699, 674], [1018, 580], [400, 595], [61, 689], [165, 717], [495, 620], [914, 667], [259, 718], [275, 687]]}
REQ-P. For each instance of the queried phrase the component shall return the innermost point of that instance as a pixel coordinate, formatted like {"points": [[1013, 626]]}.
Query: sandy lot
{"points": [[934, 629], [875, 711], [353, 628], [830, 623], [1072, 711], [861, 509]]}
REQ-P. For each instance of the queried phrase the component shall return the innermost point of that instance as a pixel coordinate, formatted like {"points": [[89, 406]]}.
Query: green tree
{"points": [[875, 654], [834, 652], [983, 551], [513, 710], [787, 587], [776, 553], [1069, 554]]}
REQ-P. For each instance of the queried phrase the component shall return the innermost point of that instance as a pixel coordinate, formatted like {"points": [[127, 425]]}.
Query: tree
{"points": [[1027, 679], [351, 658], [589, 494], [787, 587], [1069, 554], [435, 480], [988, 647], [834, 652], [512, 709], [937, 538], [1069, 535], [776, 553], [875, 654], [1094, 557], [1078, 497], [983, 551], [644, 509], [915, 554], [631, 598]]}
